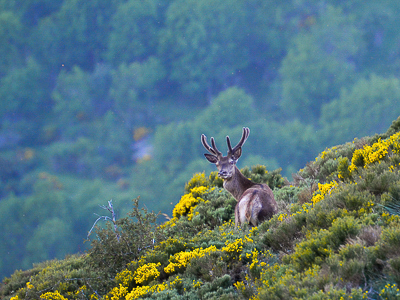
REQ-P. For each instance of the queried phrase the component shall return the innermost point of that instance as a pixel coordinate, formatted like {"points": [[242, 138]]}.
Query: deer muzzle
{"points": [[224, 174]]}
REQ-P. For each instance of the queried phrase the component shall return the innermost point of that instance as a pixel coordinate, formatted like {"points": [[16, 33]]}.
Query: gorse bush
{"points": [[336, 236]]}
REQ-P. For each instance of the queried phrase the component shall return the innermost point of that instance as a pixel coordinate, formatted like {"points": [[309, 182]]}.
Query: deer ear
{"points": [[237, 153], [211, 158]]}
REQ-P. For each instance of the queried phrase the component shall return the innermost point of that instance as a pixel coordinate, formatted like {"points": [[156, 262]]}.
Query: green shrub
{"points": [[288, 194], [319, 244], [259, 174], [377, 178], [115, 247], [69, 278], [343, 168]]}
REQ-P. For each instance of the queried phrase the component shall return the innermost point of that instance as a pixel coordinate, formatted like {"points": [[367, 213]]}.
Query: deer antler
{"points": [[213, 150], [245, 135]]}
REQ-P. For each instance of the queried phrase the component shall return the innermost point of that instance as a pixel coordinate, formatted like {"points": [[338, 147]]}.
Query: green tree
{"points": [[203, 44], [319, 63], [291, 144], [24, 90], [73, 101], [298, 144], [134, 90], [25, 102], [114, 141], [231, 108], [23, 215], [269, 31], [76, 34], [378, 21], [364, 109], [79, 97], [48, 241], [31, 11], [134, 31], [13, 232], [11, 36]]}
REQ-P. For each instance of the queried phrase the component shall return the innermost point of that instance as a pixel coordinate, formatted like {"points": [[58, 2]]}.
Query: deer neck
{"points": [[237, 184]]}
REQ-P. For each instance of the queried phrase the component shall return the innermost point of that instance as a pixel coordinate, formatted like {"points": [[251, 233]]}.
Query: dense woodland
{"points": [[107, 99]]}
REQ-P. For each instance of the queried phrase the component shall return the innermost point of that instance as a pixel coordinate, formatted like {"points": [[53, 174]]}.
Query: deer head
{"points": [[226, 165]]}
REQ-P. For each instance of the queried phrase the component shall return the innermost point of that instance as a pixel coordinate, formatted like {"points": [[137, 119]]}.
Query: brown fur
{"points": [[259, 195]]}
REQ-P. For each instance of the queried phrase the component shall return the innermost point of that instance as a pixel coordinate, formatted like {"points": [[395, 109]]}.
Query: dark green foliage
{"points": [[11, 30], [259, 174], [114, 248], [220, 209], [377, 94], [395, 127], [313, 73], [352, 198], [66, 276], [283, 236], [391, 200], [343, 168], [134, 31], [206, 54]]}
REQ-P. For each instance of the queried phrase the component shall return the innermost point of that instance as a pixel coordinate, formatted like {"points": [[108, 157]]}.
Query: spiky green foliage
{"points": [[336, 236]]}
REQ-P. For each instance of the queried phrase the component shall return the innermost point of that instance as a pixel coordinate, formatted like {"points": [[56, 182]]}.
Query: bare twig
{"points": [[110, 208]]}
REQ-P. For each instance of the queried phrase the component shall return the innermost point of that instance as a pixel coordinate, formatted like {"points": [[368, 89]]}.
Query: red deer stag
{"points": [[255, 201]]}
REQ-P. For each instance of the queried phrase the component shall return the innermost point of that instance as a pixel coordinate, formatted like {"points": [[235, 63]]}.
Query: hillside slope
{"points": [[337, 236]]}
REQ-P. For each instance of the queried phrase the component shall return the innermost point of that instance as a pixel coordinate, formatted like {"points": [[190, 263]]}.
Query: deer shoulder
{"points": [[256, 202]]}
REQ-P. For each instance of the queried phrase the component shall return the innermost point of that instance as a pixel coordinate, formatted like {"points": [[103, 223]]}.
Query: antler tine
{"points": [[228, 141], [215, 147], [245, 135], [206, 145]]}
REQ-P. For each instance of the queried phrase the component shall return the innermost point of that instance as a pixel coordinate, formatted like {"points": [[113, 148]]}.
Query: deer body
{"points": [[255, 201]]}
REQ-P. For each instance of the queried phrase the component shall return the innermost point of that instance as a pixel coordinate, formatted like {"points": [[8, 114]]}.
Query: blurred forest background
{"points": [[107, 99]]}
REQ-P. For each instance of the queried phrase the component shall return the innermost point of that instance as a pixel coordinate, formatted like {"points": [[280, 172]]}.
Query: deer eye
{"points": [[232, 162]]}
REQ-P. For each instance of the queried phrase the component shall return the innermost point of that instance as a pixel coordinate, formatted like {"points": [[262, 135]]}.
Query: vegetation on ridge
{"points": [[337, 236]]}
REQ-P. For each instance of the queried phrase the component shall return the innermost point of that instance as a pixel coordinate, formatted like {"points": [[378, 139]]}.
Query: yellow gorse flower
{"points": [[140, 291], [147, 272], [370, 154], [255, 262], [235, 247], [240, 286], [124, 277], [53, 296], [196, 284], [188, 202], [182, 259], [29, 285], [324, 189]]}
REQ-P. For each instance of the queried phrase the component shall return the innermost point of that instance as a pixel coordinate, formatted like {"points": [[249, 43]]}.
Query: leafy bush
{"points": [[120, 243]]}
